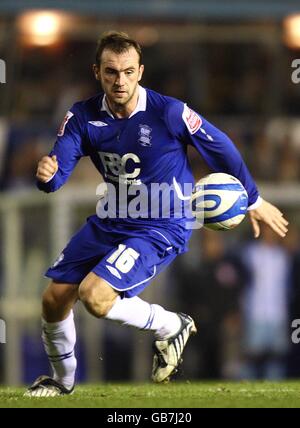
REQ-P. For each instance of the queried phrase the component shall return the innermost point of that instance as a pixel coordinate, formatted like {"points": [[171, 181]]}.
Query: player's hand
{"points": [[47, 167], [271, 216]]}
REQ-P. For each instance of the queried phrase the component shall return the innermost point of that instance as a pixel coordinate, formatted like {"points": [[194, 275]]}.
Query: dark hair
{"points": [[117, 42]]}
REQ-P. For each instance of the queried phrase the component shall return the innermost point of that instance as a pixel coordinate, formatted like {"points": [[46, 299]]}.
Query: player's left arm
{"points": [[270, 215], [221, 155]]}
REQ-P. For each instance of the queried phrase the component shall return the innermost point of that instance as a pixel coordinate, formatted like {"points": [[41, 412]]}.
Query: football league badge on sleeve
{"points": [[145, 135], [191, 119], [64, 123]]}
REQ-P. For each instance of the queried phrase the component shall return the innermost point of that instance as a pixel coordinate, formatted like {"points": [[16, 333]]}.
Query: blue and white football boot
{"points": [[45, 387], [168, 353]]}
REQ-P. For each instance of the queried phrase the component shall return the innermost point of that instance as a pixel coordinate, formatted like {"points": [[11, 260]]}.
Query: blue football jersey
{"points": [[147, 149]]}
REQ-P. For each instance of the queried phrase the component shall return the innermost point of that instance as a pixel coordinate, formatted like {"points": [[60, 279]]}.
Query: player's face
{"points": [[119, 75]]}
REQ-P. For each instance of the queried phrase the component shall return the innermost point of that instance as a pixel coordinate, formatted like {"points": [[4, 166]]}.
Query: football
{"points": [[219, 201]]}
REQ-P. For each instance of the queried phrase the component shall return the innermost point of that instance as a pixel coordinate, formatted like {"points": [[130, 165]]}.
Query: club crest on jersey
{"points": [[64, 123], [191, 119], [145, 135]]}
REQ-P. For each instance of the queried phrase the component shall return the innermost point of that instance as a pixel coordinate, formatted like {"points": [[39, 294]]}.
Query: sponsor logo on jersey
{"points": [[145, 135], [98, 123], [191, 119], [64, 123], [116, 167]]}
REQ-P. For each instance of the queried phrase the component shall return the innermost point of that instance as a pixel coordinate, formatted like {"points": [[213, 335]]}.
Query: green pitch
{"points": [[173, 395]]}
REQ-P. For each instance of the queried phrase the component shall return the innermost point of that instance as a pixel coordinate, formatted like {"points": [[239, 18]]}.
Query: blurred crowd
{"points": [[254, 102], [244, 296], [243, 293]]}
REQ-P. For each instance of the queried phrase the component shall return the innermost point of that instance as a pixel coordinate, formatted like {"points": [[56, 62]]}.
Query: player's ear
{"points": [[96, 70], [141, 71]]}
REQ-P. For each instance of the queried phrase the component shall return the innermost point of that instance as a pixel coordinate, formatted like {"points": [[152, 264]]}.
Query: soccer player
{"points": [[135, 137]]}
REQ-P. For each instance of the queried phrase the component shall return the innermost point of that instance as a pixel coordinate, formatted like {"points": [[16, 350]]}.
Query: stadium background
{"points": [[232, 62]]}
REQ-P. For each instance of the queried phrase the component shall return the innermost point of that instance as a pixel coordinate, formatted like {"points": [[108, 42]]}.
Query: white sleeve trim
{"points": [[50, 178], [256, 204]]}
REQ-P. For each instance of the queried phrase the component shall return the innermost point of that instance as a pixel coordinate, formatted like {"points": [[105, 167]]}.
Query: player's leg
{"points": [[58, 301], [82, 253], [97, 295], [125, 272], [59, 338], [103, 301]]}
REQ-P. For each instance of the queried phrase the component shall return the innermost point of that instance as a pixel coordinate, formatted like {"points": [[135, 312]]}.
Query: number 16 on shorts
{"points": [[123, 260]]}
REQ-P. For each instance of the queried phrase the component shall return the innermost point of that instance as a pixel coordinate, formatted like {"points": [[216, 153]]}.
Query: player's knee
{"points": [[57, 301], [50, 302], [95, 301]]}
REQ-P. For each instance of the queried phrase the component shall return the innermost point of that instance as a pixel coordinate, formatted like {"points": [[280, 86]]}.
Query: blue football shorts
{"points": [[125, 256]]}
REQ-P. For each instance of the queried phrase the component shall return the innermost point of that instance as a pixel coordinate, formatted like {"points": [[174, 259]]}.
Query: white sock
{"points": [[59, 342], [137, 313]]}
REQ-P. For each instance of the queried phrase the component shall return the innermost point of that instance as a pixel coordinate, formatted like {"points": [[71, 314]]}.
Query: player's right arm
{"points": [[47, 168], [54, 170]]}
